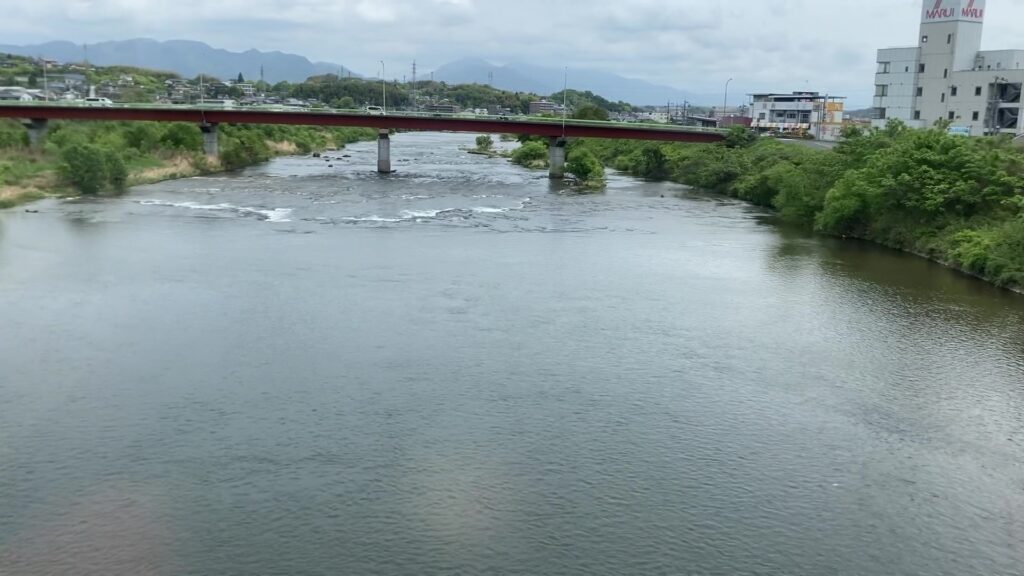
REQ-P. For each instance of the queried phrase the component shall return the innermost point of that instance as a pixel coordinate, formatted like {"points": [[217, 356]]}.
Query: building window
{"points": [[920, 91], [883, 67], [881, 90], [952, 115], [945, 73], [952, 91], [975, 115], [977, 90], [920, 68], [879, 113], [943, 97], [761, 116], [949, 39], [917, 114], [924, 39]]}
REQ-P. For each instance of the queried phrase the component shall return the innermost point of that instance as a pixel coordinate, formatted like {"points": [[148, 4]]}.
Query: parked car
{"points": [[374, 110]]}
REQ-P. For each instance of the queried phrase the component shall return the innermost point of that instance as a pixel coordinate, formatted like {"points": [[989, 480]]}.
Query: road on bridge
{"points": [[211, 115]]}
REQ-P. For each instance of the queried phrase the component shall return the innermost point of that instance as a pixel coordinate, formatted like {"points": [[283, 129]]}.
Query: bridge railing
{"points": [[271, 108]]}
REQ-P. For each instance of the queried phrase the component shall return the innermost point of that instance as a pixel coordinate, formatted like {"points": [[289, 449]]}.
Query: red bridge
{"points": [[208, 117]]}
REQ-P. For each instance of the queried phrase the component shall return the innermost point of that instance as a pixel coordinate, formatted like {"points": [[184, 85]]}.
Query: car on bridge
{"points": [[374, 111], [97, 101]]}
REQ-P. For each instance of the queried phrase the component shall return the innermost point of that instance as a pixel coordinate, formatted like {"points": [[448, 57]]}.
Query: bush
{"points": [[529, 153], [585, 166], [484, 142], [85, 167], [183, 137]]}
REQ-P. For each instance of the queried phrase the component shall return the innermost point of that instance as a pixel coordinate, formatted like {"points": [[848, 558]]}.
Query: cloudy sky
{"points": [[695, 45]]}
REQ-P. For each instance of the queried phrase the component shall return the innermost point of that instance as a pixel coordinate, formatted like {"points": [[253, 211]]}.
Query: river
{"points": [[306, 368]]}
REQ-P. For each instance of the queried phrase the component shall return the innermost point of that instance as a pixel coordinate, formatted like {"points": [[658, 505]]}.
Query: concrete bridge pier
{"points": [[556, 158], [210, 146], [36, 132], [383, 152]]}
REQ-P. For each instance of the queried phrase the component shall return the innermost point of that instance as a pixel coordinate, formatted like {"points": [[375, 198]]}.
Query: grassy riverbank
{"points": [[956, 200], [106, 157]]}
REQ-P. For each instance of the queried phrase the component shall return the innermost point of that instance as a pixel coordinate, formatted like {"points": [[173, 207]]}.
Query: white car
{"points": [[374, 110], [97, 101]]}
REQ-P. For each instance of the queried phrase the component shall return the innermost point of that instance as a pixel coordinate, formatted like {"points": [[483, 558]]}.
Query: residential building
{"points": [[803, 113], [948, 77]]}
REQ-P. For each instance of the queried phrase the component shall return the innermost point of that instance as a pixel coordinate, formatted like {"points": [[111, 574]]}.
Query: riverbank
{"points": [[956, 201], [106, 158]]}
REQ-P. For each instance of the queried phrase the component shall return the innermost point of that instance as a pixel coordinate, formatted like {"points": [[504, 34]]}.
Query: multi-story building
{"points": [[810, 113], [948, 77]]}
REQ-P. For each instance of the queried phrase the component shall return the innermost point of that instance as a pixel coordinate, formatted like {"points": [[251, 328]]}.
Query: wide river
{"points": [[307, 368]]}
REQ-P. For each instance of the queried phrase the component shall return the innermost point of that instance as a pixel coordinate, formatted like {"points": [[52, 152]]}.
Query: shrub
{"points": [[529, 153], [85, 167]]}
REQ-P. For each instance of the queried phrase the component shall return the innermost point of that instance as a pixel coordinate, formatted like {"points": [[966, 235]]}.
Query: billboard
{"points": [[953, 11]]}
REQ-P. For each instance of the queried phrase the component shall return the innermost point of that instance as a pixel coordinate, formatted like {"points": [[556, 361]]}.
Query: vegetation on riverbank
{"points": [[106, 157], [957, 200]]}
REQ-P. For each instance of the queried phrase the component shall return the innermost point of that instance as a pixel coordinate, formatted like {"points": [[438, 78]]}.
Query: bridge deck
{"points": [[402, 121]]}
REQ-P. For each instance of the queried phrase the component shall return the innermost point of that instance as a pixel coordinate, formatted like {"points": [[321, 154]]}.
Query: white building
{"points": [[818, 115], [948, 77]]}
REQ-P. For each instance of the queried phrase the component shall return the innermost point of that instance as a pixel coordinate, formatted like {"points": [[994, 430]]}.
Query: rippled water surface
{"points": [[307, 368]]}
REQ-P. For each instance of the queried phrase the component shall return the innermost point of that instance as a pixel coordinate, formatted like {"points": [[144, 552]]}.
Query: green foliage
{"points": [[530, 153], [85, 167], [590, 112], [958, 200], [184, 137], [484, 142], [740, 137], [243, 145], [585, 166]]}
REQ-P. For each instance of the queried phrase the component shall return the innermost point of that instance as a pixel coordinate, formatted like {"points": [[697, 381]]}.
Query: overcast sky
{"points": [[695, 45]]}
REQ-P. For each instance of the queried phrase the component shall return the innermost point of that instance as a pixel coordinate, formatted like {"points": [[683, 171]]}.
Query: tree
{"points": [[240, 79], [590, 112], [585, 166], [739, 137], [84, 166], [529, 153], [484, 142]]}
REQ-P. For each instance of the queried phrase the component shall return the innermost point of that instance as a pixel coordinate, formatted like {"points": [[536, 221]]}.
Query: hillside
{"points": [[185, 57]]}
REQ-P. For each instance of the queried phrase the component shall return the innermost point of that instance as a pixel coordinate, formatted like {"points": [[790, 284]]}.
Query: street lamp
{"points": [[383, 88], [725, 101]]}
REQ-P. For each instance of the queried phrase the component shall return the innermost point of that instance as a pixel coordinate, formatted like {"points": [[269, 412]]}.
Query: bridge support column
{"points": [[210, 146], [556, 158], [36, 132], [383, 152]]}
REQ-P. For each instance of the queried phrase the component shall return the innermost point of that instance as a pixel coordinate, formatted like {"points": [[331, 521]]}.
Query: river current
{"points": [[307, 368]]}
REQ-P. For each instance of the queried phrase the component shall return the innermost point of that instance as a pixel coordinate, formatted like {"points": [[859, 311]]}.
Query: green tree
{"points": [[84, 166], [585, 166], [179, 136], [530, 153], [240, 78], [115, 168], [590, 112], [484, 142]]}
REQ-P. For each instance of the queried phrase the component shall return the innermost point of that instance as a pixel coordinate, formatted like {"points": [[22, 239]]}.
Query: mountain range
{"points": [[523, 77], [190, 58], [186, 57]]}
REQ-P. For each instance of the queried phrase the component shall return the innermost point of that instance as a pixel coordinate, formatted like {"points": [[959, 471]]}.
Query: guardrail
{"points": [[272, 108]]}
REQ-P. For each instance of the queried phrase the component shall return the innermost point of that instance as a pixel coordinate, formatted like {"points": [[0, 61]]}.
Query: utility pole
{"points": [[725, 103], [565, 97], [414, 100], [383, 88]]}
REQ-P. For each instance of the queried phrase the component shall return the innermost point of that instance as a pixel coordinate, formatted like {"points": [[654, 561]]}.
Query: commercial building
{"points": [[948, 77], [803, 113]]}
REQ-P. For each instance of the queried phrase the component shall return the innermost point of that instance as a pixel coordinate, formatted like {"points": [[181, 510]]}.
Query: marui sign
{"points": [[951, 10]]}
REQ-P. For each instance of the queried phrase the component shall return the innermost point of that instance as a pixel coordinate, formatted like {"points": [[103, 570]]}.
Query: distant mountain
{"points": [[186, 57], [523, 77]]}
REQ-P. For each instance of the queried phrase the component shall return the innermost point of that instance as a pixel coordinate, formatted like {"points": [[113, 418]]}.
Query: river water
{"points": [[308, 368]]}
